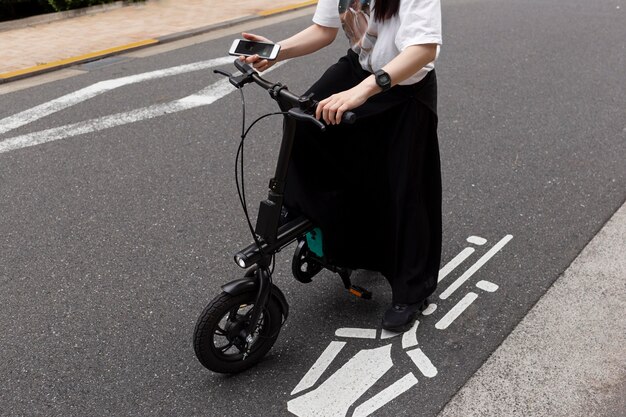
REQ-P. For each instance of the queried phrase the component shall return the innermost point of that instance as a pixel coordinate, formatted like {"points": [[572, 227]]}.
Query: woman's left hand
{"points": [[332, 108]]}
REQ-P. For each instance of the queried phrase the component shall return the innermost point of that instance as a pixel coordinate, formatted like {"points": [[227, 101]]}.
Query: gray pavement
{"points": [[114, 239], [567, 357]]}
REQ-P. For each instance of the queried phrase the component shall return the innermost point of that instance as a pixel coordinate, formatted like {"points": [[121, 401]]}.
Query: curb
{"points": [[93, 56]]}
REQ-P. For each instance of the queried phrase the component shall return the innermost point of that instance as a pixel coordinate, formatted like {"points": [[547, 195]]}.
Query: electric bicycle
{"points": [[239, 326]]}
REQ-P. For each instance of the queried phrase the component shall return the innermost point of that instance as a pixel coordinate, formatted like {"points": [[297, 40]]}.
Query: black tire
{"points": [[216, 341]]}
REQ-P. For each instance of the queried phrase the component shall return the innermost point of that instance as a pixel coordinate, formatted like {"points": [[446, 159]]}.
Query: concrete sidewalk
{"points": [[35, 48]]}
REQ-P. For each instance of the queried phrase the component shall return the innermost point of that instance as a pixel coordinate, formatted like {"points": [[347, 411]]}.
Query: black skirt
{"points": [[374, 187]]}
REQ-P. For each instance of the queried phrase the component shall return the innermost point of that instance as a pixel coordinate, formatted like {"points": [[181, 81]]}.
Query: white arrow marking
{"points": [[337, 394], [472, 269], [320, 365], [203, 98], [68, 100], [385, 396]]}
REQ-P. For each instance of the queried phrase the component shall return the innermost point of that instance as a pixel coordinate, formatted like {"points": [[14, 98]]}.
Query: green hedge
{"points": [[16, 9], [60, 5]]}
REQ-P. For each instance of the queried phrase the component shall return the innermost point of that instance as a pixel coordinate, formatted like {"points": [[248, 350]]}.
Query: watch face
{"points": [[383, 80]]}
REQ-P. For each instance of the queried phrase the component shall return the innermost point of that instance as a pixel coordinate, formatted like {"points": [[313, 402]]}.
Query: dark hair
{"points": [[386, 9]]}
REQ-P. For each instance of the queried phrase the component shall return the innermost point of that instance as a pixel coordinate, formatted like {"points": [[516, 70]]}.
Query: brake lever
{"points": [[224, 73], [300, 114], [237, 81]]}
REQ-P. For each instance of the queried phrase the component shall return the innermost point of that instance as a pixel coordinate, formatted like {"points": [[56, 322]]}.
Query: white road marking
{"points": [[472, 270], [430, 309], [345, 388], [204, 97], [456, 311], [477, 240], [422, 362], [385, 396], [68, 100], [386, 334], [487, 286], [409, 338], [320, 365], [337, 394], [456, 261], [356, 333]]}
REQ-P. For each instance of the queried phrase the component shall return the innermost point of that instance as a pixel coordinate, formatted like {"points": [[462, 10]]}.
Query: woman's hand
{"points": [[259, 64], [332, 108]]}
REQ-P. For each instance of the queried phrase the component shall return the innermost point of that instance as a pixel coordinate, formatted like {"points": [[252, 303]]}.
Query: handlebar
{"points": [[299, 107]]}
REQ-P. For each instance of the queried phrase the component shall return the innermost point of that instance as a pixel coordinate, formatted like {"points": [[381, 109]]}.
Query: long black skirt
{"points": [[374, 187]]}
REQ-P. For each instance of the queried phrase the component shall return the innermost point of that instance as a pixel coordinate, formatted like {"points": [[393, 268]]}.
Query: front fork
{"points": [[262, 278]]}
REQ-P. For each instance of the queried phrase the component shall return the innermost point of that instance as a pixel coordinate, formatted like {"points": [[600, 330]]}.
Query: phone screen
{"points": [[254, 48]]}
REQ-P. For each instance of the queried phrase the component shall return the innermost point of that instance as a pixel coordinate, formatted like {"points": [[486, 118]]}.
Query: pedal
{"points": [[360, 292]]}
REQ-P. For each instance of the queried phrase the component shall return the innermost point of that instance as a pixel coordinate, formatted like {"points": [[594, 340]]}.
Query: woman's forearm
{"points": [[311, 39], [407, 63]]}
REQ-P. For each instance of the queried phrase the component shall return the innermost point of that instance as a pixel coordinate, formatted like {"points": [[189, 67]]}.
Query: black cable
{"points": [[239, 167]]}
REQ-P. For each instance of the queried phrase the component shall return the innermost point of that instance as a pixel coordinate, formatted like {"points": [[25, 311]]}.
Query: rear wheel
{"points": [[218, 342], [305, 264]]}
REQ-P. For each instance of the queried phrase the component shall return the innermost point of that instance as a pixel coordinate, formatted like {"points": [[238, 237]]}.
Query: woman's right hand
{"points": [[259, 64]]}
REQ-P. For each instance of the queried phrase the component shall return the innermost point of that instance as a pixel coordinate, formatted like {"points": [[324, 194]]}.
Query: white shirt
{"points": [[377, 43]]}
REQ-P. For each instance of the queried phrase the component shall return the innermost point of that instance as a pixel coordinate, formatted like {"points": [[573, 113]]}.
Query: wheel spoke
{"points": [[220, 332], [224, 348]]}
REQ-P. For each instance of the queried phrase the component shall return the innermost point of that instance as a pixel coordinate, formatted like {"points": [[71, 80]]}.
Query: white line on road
{"points": [[430, 309], [204, 97], [320, 365], [337, 394], [472, 270], [422, 362], [68, 100], [356, 333], [477, 240], [487, 286], [409, 338], [456, 261], [386, 334], [456, 311], [388, 394]]}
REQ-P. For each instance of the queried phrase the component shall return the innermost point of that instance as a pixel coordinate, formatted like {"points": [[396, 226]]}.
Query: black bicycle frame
{"points": [[271, 237]]}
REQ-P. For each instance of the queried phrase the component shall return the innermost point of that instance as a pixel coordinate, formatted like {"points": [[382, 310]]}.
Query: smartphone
{"points": [[248, 48]]}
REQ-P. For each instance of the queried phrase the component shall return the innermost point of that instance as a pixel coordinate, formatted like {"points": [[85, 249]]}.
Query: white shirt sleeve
{"points": [[420, 23], [327, 14]]}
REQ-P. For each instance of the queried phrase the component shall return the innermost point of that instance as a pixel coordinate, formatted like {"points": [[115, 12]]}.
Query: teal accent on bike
{"points": [[314, 242]]}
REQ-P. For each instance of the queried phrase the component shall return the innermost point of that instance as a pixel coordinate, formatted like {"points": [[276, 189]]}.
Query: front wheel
{"points": [[217, 337]]}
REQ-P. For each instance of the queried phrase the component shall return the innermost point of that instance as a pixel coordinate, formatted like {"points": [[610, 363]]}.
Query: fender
{"points": [[242, 285]]}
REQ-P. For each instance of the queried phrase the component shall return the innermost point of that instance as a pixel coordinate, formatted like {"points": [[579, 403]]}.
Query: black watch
{"points": [[383, 79]]}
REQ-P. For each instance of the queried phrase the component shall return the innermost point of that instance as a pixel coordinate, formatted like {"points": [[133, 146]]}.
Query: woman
{"points": [[374, 187]]}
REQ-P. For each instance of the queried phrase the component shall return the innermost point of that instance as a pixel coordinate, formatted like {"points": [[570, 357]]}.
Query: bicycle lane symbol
{"points": [[343, 389]]}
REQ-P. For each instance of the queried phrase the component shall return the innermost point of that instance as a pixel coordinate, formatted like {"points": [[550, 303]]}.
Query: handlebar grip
{"points": [[243, 67], [348, 117]]}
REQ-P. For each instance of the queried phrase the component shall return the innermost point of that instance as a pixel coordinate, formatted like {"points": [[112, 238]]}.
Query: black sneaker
{"points": [[400, 317]]}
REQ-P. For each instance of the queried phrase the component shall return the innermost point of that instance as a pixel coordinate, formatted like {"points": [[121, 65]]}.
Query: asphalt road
{"points": [[112, 241]]}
